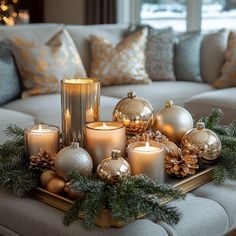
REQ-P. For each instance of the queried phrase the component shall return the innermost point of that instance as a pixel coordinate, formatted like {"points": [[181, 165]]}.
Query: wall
{"points": [[67, 12]]}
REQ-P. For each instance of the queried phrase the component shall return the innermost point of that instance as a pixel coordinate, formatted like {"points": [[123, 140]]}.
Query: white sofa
{"points": [[209, 210]]}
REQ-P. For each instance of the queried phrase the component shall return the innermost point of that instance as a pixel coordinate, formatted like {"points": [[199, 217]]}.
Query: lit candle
{"points": [[46, 137], [103, 137], [147, 158]]}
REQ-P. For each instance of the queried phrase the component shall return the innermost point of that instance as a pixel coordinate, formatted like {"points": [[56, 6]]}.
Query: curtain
{"points": [[100, 11]]}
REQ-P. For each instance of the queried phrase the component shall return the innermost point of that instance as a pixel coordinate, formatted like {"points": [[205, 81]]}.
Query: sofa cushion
{"points": [[187, 57], [47, 108], [9, 81], [160, 54], [224, 195], [123, 63], [42, 67], [228, 71], [203, 103], [8, 117], [202, 215], [81, 34], [212, 54], [160, 91]]}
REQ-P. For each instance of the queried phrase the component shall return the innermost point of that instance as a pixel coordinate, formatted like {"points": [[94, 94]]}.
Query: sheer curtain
{"points": [[100, 11]]}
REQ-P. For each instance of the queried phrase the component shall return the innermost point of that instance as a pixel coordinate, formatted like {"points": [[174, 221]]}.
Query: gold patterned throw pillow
{"points": [[123, 63], [42, 67], [228, 71]]}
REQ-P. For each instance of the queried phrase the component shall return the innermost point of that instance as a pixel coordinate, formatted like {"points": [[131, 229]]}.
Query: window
{"points": [[161, 14], [185, 15], [218, 14]]}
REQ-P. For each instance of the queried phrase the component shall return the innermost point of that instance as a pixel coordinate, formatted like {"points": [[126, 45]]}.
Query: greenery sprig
{"points": [[126, 199], [226, 166]]}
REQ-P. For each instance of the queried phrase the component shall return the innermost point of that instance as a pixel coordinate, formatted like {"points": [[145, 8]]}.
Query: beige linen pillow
{"points": [[212, 55], [42, 67], [228, 71], [123, 63]]}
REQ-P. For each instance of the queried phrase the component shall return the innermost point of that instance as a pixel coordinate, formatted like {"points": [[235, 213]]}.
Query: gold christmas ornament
{"points": [[135, 112], [173, 121], [46, 176], [113, 168], [202, 142], [56, 185], [73, 158], [73, 195], [44, 160]]}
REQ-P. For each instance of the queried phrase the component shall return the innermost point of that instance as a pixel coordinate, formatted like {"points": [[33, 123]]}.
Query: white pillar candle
{"points": [[147, 158], [39, 136], [103, 137]]}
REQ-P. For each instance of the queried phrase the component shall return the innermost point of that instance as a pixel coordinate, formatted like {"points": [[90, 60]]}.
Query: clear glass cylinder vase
{"points": [[80, 102]]}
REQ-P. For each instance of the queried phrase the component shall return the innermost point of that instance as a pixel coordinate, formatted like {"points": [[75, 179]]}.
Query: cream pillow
{"points": [[123, 63], [228, 71], [42, 67]]}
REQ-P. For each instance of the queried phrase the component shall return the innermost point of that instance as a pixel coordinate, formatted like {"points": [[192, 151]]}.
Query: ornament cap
{"points": [[200, 125], [169, 103], [75, 145], [131, 94], [115, 154]]}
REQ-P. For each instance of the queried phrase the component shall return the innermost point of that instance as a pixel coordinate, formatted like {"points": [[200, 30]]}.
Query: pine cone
{"points": [[146, 136], [44, 160], [182, 164]]}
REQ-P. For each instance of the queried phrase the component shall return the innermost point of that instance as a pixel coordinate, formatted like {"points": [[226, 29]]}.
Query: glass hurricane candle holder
{"points": [[103, 137], [42, 136], [80, 101], [147, 158]]}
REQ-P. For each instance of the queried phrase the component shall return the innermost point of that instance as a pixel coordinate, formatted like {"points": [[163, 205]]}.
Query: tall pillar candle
{"points": [[103, 137], [45, 137], [147, 158], [80, 100]]}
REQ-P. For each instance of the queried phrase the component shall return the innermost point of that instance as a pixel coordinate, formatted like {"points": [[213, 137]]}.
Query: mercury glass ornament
{"points": [[135, 112], [203, 142], [73, 158], [173, 121], [113, 168]]}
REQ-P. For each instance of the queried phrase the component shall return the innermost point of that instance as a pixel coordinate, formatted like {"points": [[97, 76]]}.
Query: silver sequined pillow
{"points": [[160, 54]]}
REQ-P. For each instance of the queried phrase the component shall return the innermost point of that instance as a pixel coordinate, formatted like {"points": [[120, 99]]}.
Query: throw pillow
{"points": [[187, 57], [160, 54], [123, 63], [9, 81], [212, 55], [228, 71], [42, 67]]}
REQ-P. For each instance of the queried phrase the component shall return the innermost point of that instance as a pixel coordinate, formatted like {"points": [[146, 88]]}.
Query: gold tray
{"points": [[105, 219]]}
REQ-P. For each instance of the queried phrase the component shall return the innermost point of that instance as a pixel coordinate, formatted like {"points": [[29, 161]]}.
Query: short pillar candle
{"points": [[103, 137], [147, 158], [46, 137]]}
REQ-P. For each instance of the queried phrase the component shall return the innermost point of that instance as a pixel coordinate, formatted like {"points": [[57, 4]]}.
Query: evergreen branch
{"points": [[214, 118], [72, 214], [15, 132]]}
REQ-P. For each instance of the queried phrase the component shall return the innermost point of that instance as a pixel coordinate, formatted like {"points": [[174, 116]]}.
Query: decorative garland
{"points": [[122, 197]]}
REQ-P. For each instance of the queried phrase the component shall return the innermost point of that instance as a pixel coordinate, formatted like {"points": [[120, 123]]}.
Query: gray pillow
{"points": [[9, 81], [187, 57], [160, 54]]}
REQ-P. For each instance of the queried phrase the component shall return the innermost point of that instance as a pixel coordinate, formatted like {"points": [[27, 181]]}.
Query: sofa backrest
{"points": [[81, 34]]}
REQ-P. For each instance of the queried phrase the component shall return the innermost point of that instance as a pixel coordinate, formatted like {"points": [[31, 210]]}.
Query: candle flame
{"points": [[40, 127], [67, 112], [147, 147], [104, 126]]}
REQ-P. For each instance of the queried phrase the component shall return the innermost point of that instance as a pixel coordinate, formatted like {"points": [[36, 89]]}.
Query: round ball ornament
{"points": [[56, 185], [203, 142], [73, 158], [47, 176], [173, 121], [134, 112], [113, 168]]}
